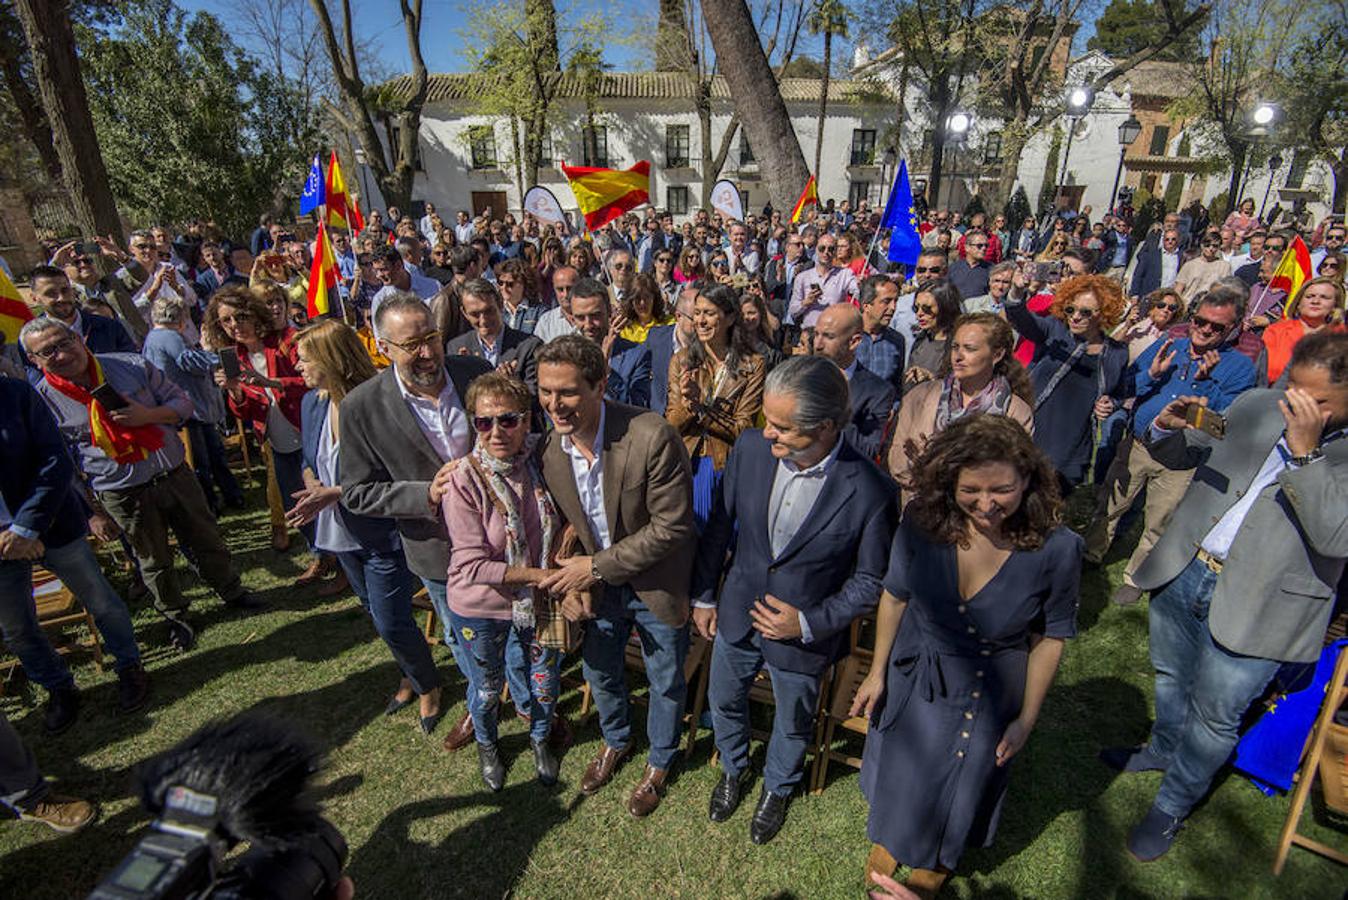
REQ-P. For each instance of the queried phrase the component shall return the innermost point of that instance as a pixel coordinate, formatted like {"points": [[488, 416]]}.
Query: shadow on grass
{"points": [[483, 858]]}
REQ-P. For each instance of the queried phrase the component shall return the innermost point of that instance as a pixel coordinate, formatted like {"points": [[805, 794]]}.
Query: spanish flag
{"points": [[1294, 270], [323, 275], [342, 212], [13, 311], [807, 197], [605, 194]]}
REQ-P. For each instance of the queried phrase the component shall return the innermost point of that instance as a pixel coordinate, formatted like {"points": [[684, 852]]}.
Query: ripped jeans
{"points": [[483, 642]]}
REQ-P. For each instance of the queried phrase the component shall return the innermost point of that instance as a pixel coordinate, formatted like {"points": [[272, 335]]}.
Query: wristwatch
{"points": [[1299, 461], [594, 572]]}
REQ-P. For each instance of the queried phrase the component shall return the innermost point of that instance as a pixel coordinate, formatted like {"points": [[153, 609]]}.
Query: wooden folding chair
{"points": [[421, 600], [1328, 753], [850, 673], [58, 607], [239, 439], [187, 447]]}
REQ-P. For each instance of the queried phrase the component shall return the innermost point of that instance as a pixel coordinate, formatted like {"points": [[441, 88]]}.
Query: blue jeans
{"points": [[1202, 689], [485, 643], [385, 587], [663, 647], [77, 567], [796, 694], [211, 464], [517, 665]]}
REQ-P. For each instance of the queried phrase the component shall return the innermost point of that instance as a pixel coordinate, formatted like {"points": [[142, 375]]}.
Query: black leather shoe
{"points": [[63, 708], [768, 818], [725, 797], [182, 637], [493, 770], [133, 687], [247, 601], [545, 762]]}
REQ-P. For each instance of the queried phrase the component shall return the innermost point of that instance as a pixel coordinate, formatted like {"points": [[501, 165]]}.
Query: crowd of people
{"points": [[752, 433]]}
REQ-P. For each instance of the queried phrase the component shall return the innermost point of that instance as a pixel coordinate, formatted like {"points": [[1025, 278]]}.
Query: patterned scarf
{"points": [[493, 472], [122, 444], [994, 398]]}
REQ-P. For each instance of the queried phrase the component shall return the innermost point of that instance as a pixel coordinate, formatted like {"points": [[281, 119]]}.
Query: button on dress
{"points": [[954, 680]]}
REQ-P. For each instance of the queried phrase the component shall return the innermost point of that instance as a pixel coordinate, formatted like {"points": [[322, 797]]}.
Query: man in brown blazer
{"points": [[620, 475]]}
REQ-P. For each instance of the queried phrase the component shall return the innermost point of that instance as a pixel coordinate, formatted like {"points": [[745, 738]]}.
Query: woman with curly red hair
{"points": [[1077, 369]]}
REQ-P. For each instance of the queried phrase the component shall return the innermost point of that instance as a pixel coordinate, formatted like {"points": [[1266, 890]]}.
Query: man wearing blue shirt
{"points": [[1205, 364]]}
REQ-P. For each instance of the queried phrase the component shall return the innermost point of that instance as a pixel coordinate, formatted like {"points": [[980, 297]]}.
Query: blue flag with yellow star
{"points": [[312, 198], [904, 241]]}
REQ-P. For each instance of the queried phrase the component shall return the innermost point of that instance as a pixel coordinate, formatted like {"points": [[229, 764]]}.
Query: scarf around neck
{"points": [[122, 444], [994, 398]]}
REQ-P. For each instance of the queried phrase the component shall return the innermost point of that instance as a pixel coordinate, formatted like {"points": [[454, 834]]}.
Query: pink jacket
{"points": [[477, 542]]}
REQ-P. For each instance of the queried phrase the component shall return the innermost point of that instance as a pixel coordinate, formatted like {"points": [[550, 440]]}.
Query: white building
{"points": [[467, 158]]}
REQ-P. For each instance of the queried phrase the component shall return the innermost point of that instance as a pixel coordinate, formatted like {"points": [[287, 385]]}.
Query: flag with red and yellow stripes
{"points": [[807, 197], [13, 311], [323, 275], [1294, 270], [605, 194]]}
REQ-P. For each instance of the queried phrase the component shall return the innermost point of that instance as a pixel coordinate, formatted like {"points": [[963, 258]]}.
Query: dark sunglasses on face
{"points": [[928, 270], [1084, 311], [1168, 307], [925, 309], [508, 422], [1212, 243], [1206, 324]]}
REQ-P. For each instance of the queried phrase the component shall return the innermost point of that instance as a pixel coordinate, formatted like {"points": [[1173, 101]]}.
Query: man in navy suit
{"points": [[42, 519], [505, 348], [629, 363], [663, 341], [1157, 265], [836, 337], [814, 520], [51, 289]]}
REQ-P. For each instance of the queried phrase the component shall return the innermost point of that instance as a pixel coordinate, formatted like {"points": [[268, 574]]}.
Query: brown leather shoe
{"points": [[334, 586], [461, 736], [647, 795], [600, 770], [64, 814]]}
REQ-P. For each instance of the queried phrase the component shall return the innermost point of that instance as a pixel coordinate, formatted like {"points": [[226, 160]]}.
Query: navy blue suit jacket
{"points": [[36, 471], [660, 346], [872, 401], [832, 570], [1147, 272], [373, 533], [104, 335], [629, 373]]}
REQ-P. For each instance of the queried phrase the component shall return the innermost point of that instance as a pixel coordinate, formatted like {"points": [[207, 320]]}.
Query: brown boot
{"points": [[926, 883], [280, 538], [600, 770], [461, 736], [880, 862], [647, 795], [64, 814]]}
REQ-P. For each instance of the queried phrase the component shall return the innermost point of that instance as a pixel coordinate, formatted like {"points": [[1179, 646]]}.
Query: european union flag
{"points": [[313, 198], [901, 219]]}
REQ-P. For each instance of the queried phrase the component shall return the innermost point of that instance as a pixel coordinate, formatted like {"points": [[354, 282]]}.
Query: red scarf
{"points": [[121, 444]]}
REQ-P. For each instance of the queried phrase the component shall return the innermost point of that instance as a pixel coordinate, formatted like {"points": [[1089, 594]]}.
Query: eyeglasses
{"points": [[508, 422], [505, 282], [64, 345], [929, 270], [1083, 312], [413, 347], [230, 319], [825, 248], [978, 246], [664, 259], [1207, 324]]}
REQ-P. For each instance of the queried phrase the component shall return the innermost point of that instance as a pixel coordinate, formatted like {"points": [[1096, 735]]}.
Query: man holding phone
{"points": [[122, 414], [1244, 577], [1204, 364], [821, 287]]}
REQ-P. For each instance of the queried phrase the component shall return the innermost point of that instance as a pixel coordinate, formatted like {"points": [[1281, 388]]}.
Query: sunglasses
{"points": [[1207, 324], [1212, 243], [825, 248], [979, 246], [1169, 307], [1084, 312], [237, 317], [925, 309], [928, 270], [508, 422]]}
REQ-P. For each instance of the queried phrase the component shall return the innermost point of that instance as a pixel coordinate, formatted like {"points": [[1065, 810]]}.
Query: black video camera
{"points": [[239, 780]]}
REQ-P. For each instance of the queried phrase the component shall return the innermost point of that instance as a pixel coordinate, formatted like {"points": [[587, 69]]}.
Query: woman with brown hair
{"points": [[690, 267], [521, 303], [581, 258], [1318, 305], [1078, 371], [1149, 321], [979, 376], [980, 597], [333, 362], [643, 308]]}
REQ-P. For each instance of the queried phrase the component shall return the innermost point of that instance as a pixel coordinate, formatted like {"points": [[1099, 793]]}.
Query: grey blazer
{"points": [[1275, 593], [387, 464]]}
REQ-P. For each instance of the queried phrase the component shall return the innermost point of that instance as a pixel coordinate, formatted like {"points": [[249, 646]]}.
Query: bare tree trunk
{"points": [[757, 99], [29, 108], [1339, 168], [941, 102], [823, 99], [56, 67], [1239, 151], [1014, 138]]}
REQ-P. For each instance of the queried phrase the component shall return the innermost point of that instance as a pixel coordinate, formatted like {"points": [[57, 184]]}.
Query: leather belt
{"points": [[1213, 563]]}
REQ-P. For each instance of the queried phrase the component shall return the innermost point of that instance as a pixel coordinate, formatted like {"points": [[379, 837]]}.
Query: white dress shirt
{"points": [[1170, 265], [442, 420], [329, 532], [794, 494], [465, 233], [553, 324], [589, 478]]}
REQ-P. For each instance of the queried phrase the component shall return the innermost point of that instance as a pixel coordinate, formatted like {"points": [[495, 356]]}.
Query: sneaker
{"points": [[1127, 595], [182, 637], [64, 814], [133, 688], [1152, 837], [63, 708]]}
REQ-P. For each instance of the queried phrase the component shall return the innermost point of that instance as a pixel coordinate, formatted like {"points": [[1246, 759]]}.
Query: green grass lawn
{"points": [[420, 823]]}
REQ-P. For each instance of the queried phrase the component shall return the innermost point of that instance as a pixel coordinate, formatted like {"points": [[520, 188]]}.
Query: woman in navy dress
{"points": [[980, 595]]}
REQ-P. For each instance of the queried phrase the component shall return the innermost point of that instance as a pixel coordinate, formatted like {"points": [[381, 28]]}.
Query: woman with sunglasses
{"points": [[333, 362], [1057, 245], [663, 272], [643, 308], [1078, 371], [936, 305], [1203, 271], [690, 266], [1318, 305], [503, 529], [980, 376], [518, 282], [1332, 266], [1148, 321]]}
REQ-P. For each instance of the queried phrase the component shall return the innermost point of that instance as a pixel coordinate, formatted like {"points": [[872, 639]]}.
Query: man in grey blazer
{"points": [[492, 339], [1243, 578]]}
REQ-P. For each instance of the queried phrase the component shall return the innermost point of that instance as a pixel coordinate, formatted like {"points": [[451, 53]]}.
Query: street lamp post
{"points": [[1274, 164], [1262, 120], [1079, 100], [1128, 132], [887, 165], [957, 127]]}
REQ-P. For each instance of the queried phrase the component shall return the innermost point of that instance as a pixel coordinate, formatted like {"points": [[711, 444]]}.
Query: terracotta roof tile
{"points": [[449, 87]]}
